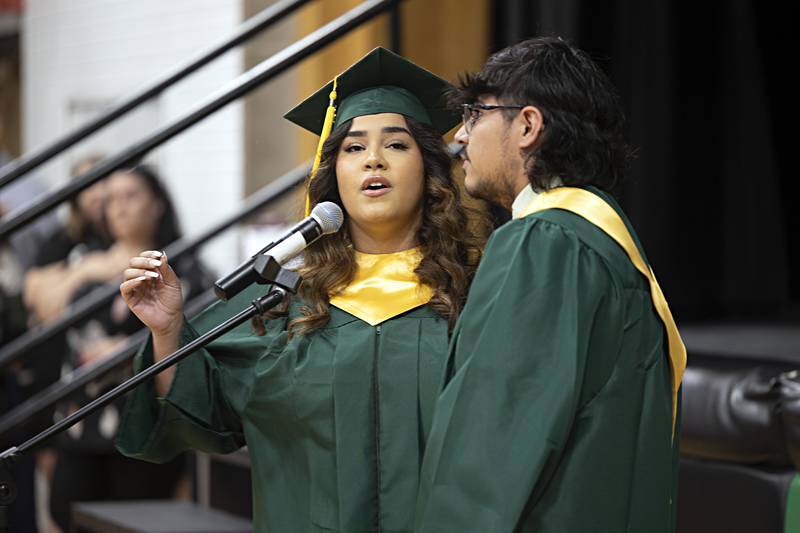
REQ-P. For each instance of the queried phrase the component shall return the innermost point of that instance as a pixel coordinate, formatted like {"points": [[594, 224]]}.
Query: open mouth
{"points": [[375, 185]]}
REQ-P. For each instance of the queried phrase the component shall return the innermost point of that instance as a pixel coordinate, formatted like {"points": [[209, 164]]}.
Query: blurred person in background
{"points": [[50, 285], [25, 241], [138, 213], [13, 316], [15, 383]]}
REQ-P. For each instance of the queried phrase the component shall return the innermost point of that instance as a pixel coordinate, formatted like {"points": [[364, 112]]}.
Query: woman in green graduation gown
{"points": [[334, 399]]}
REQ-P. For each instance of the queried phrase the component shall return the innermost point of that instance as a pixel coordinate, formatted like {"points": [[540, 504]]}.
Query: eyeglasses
{"points": [[472, 112]]}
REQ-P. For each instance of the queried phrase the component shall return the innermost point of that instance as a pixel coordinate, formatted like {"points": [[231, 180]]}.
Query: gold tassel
{"points": [[327, 126]]}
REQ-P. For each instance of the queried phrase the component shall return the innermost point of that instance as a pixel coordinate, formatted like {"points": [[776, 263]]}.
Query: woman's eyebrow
{"points": [[387, 129], [395, 129]]}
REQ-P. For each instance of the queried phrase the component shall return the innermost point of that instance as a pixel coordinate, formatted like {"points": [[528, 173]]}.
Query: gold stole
{"points": [[598, 212], [385, 286]]}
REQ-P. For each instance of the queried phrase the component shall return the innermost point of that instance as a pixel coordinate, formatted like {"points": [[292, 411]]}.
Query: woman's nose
{"points": [[374, 161]]}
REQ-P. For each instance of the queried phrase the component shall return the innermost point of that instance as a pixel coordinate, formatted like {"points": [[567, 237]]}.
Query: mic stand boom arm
{"points": [[270, 272]]}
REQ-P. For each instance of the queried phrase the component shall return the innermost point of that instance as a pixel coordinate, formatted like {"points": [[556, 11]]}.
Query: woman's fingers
{"points": [[128, 287], [152, 254], [144, 262], [131, 273], [149, 265], [155, 260], [167, 274]]}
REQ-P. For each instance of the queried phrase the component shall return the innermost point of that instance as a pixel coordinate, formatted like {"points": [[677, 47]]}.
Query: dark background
{"points": [[705, 86]]}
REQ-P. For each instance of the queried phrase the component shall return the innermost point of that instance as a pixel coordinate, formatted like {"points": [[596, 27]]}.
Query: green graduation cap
{"points": [[379, 82]]}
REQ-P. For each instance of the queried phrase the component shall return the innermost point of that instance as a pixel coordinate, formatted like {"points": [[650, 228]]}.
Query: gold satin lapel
{"points": [[598, 212], [385, 286]]}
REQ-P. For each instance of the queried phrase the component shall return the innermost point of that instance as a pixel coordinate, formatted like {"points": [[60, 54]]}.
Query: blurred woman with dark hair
{"points": [[138, 213]]}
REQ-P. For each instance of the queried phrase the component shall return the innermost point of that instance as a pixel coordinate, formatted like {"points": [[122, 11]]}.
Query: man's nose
{"points": [[462, 137]]}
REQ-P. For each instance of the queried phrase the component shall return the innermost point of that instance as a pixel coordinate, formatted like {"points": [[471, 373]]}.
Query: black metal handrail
{"points": [[250, 80], [251, 27], [95, 300]]}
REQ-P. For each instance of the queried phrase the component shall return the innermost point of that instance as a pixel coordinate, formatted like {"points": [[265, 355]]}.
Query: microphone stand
{"points": [[270, 272]]}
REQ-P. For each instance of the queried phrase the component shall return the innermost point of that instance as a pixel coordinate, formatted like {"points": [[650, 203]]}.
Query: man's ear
{"points": [[531, 125]]}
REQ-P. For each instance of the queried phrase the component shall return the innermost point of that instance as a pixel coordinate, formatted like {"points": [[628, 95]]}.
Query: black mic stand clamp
{"points": [[269, 271]]}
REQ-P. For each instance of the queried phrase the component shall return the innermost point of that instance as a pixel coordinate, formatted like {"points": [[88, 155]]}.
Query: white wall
{"points": [[79, 55]]}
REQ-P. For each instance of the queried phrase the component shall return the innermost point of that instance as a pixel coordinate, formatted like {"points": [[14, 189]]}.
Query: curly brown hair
{"points": [[450, 236]]}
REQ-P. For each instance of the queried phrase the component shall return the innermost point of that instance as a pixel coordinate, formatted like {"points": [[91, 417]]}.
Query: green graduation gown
{"points": [[335, 421], [556, 415]]}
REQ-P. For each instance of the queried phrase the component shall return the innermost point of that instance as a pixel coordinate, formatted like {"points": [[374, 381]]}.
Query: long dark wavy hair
{"points": [[582, 142], [450, 237]]}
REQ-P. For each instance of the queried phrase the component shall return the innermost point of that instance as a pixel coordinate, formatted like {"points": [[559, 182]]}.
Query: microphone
{"points": [[325, 218]]}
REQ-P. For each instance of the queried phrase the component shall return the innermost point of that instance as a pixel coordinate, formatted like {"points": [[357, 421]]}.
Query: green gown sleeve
{"points": [[210, 387], [519, 370]]}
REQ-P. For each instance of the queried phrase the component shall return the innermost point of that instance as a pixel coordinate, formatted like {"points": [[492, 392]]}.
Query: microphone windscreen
{"points": [[329, 215]]}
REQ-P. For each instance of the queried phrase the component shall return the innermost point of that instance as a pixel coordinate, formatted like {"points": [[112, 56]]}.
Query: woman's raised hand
{"points": [[153, 293]]}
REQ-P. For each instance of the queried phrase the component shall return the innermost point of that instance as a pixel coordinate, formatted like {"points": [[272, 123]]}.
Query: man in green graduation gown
{"points": [[560, 400]]}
